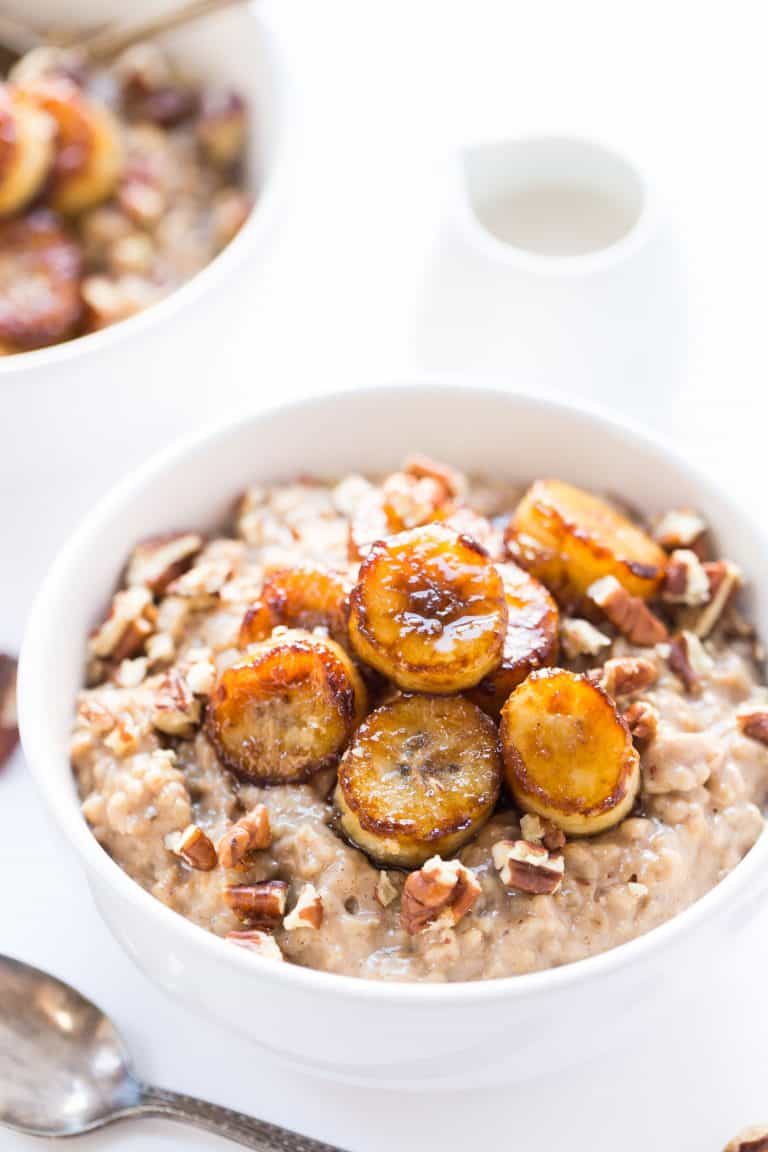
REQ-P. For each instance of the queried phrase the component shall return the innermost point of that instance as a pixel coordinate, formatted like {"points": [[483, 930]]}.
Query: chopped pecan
{"points": [[260, 905], [159, 560], [440, 887], [752, 1139], [195, 848], [724, 579], [534, 829], [131, 672], [629, 614], [210, 572], [251, 833], [409, 501], [129, 623], [754, 723], [199, 671], [624, 675], [175, 711], [9, 728], [688, 660], [221, 126], [423, 467], [528, 867], [259, 942], [685, 579], [385, 890], [580, 638], [307, 912], [679, 528], [643, 721], [124, 738]]}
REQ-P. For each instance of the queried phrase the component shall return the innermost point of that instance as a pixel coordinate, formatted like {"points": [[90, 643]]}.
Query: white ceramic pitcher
{"points": [[557, 267]]}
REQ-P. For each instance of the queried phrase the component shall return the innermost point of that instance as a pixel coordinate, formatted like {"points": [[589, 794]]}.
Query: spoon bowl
{"points": [[63, 1066], [64, 1071]]}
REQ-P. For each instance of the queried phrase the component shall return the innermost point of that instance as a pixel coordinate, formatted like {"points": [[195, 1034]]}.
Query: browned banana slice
{"points": [[88, 148], [26, 151], [569, 538], [307, 597], [421, 777], [287, 710], [568, 754], [39, 282], [429, 610], [531, 641]]}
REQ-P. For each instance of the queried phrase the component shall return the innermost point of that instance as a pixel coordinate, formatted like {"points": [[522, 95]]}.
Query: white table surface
{"points": [[383, 91]]}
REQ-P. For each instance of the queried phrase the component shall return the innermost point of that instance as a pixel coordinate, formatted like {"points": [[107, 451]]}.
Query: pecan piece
{"points": [[624, 675], [752, 1139], [9, 729], [580, 638], [685, 579], [724, 579], [251, 833], [129, 623], [643, 721], [440, 887], [528, 867], [260, 905], [679, 528], [688, 660], [159, 560], [259, 942], [423, 467], [307, 912], [754, 723], [535, 829], [629, 614], [176, 711], [195, 848], [409, 501]]}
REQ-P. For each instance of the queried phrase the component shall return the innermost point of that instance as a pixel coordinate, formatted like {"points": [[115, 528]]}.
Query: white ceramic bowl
{"points": [[409, 1035], [76, 416]]}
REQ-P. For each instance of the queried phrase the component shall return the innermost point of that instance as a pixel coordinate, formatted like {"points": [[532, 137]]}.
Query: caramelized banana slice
{"points": [[307, 597], [568, 754], [429, 610], [88, 149], [39, 282], [421, 777], [531, 640], [26, 151], [287, 710], [569, 538]]}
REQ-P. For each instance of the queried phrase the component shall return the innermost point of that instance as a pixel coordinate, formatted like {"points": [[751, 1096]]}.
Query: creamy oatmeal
{"points": [[117, 184], [423, 728]]}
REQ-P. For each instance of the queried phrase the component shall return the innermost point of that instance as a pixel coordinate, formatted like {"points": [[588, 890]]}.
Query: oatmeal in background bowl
{"points": [[423, 728], [117, 185]]}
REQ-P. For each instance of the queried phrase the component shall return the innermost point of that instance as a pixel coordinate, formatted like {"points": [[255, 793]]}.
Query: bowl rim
{"points": [[259, 218], [40, 748]]}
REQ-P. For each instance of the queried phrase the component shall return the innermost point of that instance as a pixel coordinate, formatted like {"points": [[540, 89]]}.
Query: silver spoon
{"points": [[64, 1071]]}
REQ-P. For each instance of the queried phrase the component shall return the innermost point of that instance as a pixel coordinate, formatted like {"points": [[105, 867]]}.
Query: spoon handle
{"points": [[244, 1130]]}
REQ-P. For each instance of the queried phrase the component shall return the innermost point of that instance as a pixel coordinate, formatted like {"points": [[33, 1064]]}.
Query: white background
{"points": [[383, 93]]}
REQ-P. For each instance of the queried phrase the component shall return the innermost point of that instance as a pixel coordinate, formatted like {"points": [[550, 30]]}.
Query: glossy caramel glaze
{"points": [[429, 610]]}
